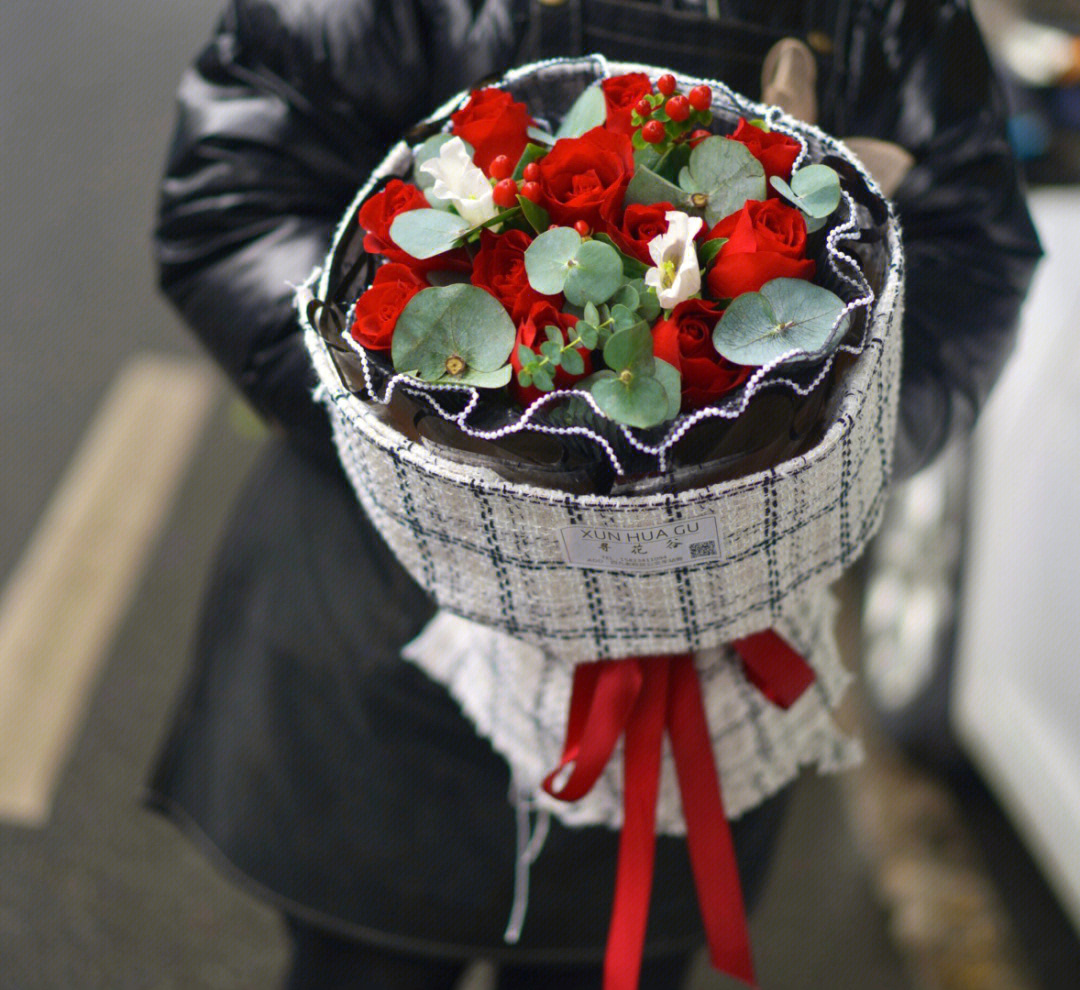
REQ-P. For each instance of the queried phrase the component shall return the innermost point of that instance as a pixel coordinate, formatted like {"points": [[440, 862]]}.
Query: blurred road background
{"points": [[122, 450]]}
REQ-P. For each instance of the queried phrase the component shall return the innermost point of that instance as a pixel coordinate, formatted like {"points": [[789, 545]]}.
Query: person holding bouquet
{"points": [[344, 784]]}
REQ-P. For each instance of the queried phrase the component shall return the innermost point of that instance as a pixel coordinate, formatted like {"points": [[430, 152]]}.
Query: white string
{"points": [[530, 842]]}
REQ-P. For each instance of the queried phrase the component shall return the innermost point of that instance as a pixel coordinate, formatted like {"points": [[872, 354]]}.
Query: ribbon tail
{"points": [[708, 836], [637, 844], [777, 670], [601, 701]]}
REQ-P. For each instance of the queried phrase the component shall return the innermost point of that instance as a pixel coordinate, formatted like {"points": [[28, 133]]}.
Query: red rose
{"points": [[378, 213], [621, 95], [499, 267], [685, 340], [640, 224], [378, 309], [531, 334], [494, 124], [766, 241], [776, 152], [584, 178]]}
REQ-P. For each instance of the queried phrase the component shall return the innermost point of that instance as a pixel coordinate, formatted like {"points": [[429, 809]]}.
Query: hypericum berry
{"points": [[531, 172], [678, 108], [653, 132], [698, 136], [501, 167], [582, 228], [504, 195], [531, 191], [643, 107], [666, 84], [700, 98]]}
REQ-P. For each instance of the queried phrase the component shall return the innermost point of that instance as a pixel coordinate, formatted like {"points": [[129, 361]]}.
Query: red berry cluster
{"points": [[669, 117], [507, 189]]}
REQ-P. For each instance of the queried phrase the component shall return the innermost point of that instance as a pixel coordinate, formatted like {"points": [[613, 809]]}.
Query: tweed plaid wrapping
{"points": [[522, 600]]}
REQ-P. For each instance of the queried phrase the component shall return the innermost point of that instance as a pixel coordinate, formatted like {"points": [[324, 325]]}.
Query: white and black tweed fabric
{"points": [[518, 611]]}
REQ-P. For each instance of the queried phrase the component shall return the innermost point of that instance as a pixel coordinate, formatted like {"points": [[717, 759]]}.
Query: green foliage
{"points": [[814, 189], [787, 314], [595, 274], [455, 334], [589, 110], [426, 233], [720, 177]]}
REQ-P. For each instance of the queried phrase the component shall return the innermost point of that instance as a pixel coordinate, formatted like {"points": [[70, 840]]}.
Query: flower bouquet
{"points": [[611, 359]]}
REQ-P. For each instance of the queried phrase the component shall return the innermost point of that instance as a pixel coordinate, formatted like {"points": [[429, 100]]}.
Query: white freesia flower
{"points": [[677, 275], [461, 182]]}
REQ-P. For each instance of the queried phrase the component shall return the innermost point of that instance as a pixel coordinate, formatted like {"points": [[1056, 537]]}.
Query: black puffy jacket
{"points": [[346, 784], [295, 101]]}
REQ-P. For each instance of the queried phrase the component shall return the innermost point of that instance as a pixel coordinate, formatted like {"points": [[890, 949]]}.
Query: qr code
{"points": [[707, 548]]}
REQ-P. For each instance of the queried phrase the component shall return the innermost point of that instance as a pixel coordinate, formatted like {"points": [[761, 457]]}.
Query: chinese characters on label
{"points": [[679, 543]]}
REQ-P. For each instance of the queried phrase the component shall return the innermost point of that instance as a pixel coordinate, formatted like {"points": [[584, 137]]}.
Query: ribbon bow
{"points": [[640, 698]]}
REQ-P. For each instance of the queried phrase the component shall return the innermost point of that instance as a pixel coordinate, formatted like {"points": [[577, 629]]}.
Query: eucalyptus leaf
{"points": [[525, 355], [642, 402], [648, 187], [596, 273], [623, 317], [672, 163], [726, 174], [554, 334], [426, 233], [632, 268], [540, 136], [457, 333], [543, 379], [630, 350], [552, 351], [548, 258], [788, 314], [626, 296], [591, 314], [572, 362], [589, 110], [668, 376], [587, 333], [646, 156], [814, 189], [648, 304]]}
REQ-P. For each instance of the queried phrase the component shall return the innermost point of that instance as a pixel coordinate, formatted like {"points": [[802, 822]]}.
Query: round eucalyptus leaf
{"points": [[726, 173], [643, 402], [818, 189], [480, 379], [572, 362], [626, 296], [453, 333], [668, 376], [426, 233], [647, 187], [589, 110], [787, 315], [630, 350], [595, 274], [548, 258]]}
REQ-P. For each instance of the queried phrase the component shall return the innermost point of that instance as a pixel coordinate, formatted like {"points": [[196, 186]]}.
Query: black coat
{"points": [[331, 773]]}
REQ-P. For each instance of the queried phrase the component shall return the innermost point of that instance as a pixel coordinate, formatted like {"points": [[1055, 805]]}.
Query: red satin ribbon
{"points": [[639, 698]]}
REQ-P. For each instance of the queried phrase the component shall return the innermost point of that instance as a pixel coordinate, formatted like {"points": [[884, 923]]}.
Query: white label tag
{"points": [[675, 544]]}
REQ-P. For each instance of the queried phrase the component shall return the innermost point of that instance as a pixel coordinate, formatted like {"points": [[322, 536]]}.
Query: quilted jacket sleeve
{"points": [[272, 141], [921, 77]]}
